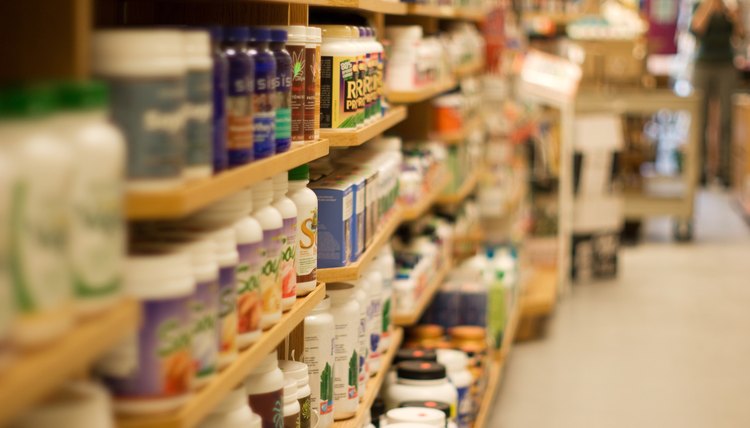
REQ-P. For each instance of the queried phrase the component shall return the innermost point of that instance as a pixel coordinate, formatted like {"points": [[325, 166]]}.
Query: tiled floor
{"points": [[665, 345]]}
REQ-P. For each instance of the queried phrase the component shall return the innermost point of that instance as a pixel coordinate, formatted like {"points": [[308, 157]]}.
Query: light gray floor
{"points": [[665, 345]]}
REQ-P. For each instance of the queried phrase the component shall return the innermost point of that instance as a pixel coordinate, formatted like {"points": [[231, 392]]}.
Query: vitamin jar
{"points": [[339, 76], [345, 311], [298, 371], [456, 364], [421, 380], [421, 415], [319, 357], [265, 390]]}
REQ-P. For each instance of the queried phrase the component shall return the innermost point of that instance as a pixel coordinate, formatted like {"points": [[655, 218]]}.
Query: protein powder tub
{"points": [[422, 415], [339, 75], [296, 40], [232, 412], [345, 311], [291, 405], [265, 390], [319, 357], [220, 76], [146, 72], [288, 211], [241, 79], [298, 371], [198, 116], [456, 363], [264, 113], [421, 380], [436, 405], [283, 88], [306, 254], [272, 223], [312, 83]]}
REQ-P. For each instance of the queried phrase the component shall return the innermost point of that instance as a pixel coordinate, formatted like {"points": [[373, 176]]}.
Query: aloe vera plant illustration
{"points": [[386, 315], [326, 385], [278, 415], [298, 61], [354, 370]]}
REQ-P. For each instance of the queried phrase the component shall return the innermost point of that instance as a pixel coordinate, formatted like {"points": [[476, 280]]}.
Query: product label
{"points": [[464, 407], [375, 317], [288, 250], [346, 368], [299, 72], [319, 357], [165, 366], [149, 113], [305, 414], [219, 110], [359, 233], [311, 72], [204, 307], [362, 352], [240, 112], [317, 91], [371, 209], [264, 115], [249, 302], [283, 104], [338, 92], [198, 115], [379, 79], [292, 421], [386, 331], [348, 208], [270, 407], [97, 234], [227, 324], [270, 285], [306, 258], [38, 242], [361, 90], [369, 85]]}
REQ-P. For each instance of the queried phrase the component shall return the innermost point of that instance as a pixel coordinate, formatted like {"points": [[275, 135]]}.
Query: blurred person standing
{"points": [[715, 24]]}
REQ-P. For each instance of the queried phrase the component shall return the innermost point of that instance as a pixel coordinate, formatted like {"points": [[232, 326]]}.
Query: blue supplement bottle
{"points": [[220, 83], [239, 137], [264, 112], [283, 87]]}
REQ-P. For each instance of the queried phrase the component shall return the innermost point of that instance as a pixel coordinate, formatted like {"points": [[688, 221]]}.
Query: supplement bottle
{"points": [[227, 258], [96, 223], [402, 72], [76, 404], [421, 380], [198, 115], [220, 87], [162, 370], [358, 36], [312, 83], [456, 363], [406, 354], [38, 266], [345, 311], [421, 415], [436, 405], [232, 412], [291, 405], [273, 226], [363, 347], [319, 357], [297, 37], [298, 371], [265, 391], [387, 265], [264, 93], [339, 75], [376, 58], [249, 235], [306, 254], [375, 318], [146, 73], [283, 88], [241, 78], [288, 212]]}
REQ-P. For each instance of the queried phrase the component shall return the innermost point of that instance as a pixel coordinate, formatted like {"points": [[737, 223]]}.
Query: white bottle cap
{"points": [[226, 246], [158, 274], [280, 185], [403, 33], [296, 34], [416, 415], [295, 370], [137, 52], [290, 390], [270, 362], [263, 193], [314, 35], [196, 45], [452, 359]]}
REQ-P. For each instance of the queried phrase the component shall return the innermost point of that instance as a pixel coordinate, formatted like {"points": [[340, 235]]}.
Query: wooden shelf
{"points": [[35, 374], [540, 294], [469, 69], [424, 299], [193, 196], [558, 18], [354, 270], [466, 189], [205, 400], [355, 138], [472, 14], [374, 384], [414, 211], [409, 97], [447, 12], [377, 6]]}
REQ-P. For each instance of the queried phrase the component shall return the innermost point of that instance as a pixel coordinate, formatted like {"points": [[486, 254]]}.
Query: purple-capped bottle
{"points": [[220, 83], [264, 112], [239, 137], [283, 88]]}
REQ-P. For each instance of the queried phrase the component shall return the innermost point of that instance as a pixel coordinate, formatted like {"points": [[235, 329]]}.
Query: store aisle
{"points": [[666, 345]]}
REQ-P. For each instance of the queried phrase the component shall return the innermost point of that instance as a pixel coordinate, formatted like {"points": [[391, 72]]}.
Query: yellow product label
{"points": [[338, 92]]}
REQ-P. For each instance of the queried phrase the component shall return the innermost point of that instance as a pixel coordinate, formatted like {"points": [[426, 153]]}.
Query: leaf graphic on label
{"points": [[278, 415], [298, 58]]}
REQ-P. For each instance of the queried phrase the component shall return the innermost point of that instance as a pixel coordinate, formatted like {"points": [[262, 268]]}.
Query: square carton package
{"points": [[357, 181], [335, 216]]}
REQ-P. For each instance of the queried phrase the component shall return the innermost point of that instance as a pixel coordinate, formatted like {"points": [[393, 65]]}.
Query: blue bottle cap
{"points": [[235, 34], [259, 34], [278, 35], [362, 31]]}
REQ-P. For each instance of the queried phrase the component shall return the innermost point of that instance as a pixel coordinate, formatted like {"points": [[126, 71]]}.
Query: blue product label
{"points": [[150, 114], [198, 115], [464, 407], [264, 118], [219, 124], [240, 111]]}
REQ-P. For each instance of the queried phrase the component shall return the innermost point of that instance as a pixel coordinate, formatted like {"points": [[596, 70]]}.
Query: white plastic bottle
{"points": [[288, 212], [421, 380], [338, 91], [232, 412], [374, 318], [319, 356], [291, 405], [38, 256], [403, 63], [387, 265], [306, 254], [76, 404], [376, 63], [227, 258], [298, 372], [265, 391], [249, 235], [345, 311], [96, 223], [198, 150], [363, 347], [456, 364], [272, 223]]}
